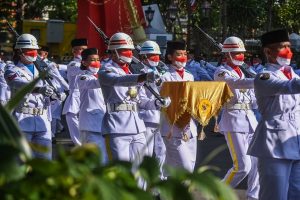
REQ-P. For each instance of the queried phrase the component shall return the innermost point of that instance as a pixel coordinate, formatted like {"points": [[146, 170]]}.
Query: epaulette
{"points": [[108, 70], [222, 74], [82, 77], [264, 76], [73, 64]]}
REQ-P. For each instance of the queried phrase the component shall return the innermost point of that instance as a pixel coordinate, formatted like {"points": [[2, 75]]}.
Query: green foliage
{"points": [[288, 14], [79, 174], [58, 9]]}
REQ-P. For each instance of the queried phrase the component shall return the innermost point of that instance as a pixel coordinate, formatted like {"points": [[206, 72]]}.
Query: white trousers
{"points": [[243, 164], [181, 154], [156, 145], [279, 179], [126, 147], [42, 140], [95, 138], [73, 125]]}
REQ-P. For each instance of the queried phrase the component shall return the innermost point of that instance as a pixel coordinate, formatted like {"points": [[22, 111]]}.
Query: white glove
{"points": [[152, 76], [47, 90], [63, 96], [165, 102]]}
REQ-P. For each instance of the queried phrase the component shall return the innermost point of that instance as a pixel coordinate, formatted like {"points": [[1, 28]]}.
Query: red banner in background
{"points": [[110, 15]]}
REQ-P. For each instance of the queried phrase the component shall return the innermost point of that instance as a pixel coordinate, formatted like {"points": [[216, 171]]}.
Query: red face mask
{"points": [[32, 53], [127, 53], [285, 53], [239, 57], [154, 58], [95, 64], [181, 59]]}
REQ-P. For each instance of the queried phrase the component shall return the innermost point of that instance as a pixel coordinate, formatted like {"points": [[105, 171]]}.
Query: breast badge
{"points": [[264, 76], [132, 92]]}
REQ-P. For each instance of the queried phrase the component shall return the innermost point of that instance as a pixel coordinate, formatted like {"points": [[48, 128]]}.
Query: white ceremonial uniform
{"points": [[151, 119], [122, 126], [179, 153], [72, 103], [4, 89], [238, 123], [61, 86], [277, 136], [92, 110], [32, 113]]}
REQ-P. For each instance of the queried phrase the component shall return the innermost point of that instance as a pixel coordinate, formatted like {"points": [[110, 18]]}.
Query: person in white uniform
{"points": [[72, 103], [276, 138], [238, 121], [32, 112], [60, 85], [181, 147], [150, 56], [122, 126], [92, 106]]}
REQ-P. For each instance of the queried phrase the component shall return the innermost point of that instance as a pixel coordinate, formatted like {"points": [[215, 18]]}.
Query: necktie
{"points": [[238, 71], [180, 72], [125, 68], [287, 72]]}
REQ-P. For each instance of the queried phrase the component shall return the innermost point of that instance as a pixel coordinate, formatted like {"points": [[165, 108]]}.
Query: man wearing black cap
{"points": [[92, 106], [71, 107], [276, 139], [181, 147]]}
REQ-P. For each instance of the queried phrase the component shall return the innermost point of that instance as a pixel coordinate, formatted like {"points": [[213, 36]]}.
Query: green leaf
{"points": [[10, 168], [17, 98], [11, 134], [149, 169], [211, 187], [173, 189]]}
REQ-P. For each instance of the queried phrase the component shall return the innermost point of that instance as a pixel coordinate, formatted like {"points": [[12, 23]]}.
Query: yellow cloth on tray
{"points": [[200, 100]]}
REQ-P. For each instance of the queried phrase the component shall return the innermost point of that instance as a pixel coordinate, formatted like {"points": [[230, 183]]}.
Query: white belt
{"points": [[239, 106], [115, 107], [31, 111]]}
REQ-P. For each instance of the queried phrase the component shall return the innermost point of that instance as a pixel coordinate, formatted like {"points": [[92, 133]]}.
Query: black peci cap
{"points": [[176, 45], [276, 36], [90, 51], [79, 42]]}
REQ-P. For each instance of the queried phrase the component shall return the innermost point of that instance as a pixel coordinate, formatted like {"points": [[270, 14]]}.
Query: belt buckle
{"points": [[244, 106], [34, 111]]}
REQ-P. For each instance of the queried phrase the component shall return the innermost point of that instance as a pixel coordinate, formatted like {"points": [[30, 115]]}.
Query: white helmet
{"points": [[150, 47], [26, 41], [120, 41], [233, 44]]}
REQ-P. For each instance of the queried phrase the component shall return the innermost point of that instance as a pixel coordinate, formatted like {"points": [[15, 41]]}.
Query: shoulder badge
{"points": [[108, 70], [222, 74], [264, 76]]}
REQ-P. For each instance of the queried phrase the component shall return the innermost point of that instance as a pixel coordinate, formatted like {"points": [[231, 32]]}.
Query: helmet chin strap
{"points": [[118, 56], [22, 54]]}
